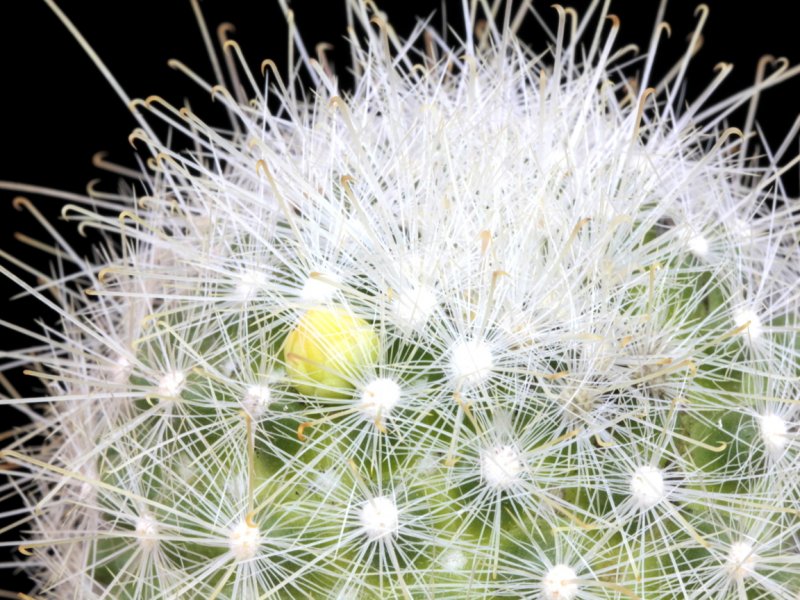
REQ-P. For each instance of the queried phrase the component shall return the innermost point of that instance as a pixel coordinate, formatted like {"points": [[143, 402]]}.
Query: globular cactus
{"points": [[492, 324]]}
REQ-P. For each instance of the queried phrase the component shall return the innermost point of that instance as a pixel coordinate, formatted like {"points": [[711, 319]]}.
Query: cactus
{"points": [[491, 324]]}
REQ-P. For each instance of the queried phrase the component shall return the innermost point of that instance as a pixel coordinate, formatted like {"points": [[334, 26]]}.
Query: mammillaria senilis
{"points": [[493, 323]]}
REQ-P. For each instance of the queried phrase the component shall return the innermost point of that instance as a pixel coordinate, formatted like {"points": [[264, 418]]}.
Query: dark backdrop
{"points": [[56, 110]]}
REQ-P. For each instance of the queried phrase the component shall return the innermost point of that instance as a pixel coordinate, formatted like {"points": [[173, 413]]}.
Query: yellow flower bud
{"points": [[325, 349]]}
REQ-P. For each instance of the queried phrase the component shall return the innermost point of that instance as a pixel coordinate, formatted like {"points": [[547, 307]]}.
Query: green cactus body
{"points": [[482, 328]]}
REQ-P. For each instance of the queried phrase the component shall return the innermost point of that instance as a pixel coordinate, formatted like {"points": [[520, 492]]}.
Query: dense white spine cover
{"points": [[586, 301]]}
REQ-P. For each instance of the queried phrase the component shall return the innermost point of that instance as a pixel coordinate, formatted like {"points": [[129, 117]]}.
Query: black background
{"points": [[56, 110]]}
